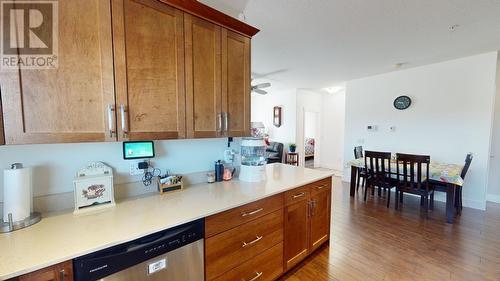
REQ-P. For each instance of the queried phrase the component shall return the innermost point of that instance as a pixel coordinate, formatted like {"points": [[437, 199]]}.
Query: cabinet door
{"points": [[149, 66], [58, 272], [69, 103], [296, 233], [235, 84], [203, 78], [320, 218]]}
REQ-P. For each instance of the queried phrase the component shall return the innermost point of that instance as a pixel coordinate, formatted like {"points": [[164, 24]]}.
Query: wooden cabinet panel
{"points": [[320, 217], [319, 186], [229, 249], [236, 83], [149, 66], [226, 220], [203, 78], [296, 233], [67, 104], [58, 272], [266, 267]]}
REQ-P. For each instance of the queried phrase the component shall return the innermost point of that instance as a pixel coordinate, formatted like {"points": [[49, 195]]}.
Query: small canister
{"points": [[211, 177], [219, 170]]}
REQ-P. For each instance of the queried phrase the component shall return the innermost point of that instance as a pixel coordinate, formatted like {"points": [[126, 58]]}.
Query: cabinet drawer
{"points": [[320, 185], [226, 220], [296, 195], [229, 249], [264, 267]]}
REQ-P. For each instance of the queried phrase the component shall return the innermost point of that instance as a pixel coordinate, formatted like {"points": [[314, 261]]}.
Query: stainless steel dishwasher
{"points": [[174, 254]]}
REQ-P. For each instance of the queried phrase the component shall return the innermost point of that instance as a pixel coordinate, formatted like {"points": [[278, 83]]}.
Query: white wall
{"points": [[332, 153], [494, 175], [451, 115], [55, 165], [262, 111]]}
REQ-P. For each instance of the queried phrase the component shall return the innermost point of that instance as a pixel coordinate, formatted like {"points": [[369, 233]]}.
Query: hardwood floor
{"points": [[370, 242]]}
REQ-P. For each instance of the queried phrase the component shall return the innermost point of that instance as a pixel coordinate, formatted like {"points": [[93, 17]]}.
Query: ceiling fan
{"points": [[258, 88]]}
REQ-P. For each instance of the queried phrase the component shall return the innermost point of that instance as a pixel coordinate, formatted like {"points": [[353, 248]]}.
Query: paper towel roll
{"points": [[17, 194]]}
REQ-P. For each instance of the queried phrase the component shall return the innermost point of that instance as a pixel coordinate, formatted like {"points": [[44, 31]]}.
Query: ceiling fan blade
{"points": [[260, 92], [262, 86]]}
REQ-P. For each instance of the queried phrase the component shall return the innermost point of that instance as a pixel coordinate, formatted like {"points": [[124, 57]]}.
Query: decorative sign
{"points": [[277, 116], [94, 188]]}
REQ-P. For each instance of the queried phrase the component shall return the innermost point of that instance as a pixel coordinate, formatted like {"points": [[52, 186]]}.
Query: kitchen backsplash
{"points": [[55, 165]]}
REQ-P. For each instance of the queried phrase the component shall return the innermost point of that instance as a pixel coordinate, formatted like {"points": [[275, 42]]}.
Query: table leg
{"points": [[450, 203], [354, 174]]}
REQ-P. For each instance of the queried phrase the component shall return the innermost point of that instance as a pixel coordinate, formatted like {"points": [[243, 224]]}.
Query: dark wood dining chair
{"points": [[410, 170], [441, 186], [378, 170], [358, 153]]}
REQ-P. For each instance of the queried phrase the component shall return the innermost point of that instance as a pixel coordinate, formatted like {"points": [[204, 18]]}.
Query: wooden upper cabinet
{"points": [[70, 103], [149, 70], [203, 78], [235, 84]]}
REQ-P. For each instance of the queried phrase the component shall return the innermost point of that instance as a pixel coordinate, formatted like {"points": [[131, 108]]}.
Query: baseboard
{"points": [[493, 198]]}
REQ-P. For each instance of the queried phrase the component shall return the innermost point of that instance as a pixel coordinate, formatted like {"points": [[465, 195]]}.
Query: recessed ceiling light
{"points": [[334, 89], [399, 65]]}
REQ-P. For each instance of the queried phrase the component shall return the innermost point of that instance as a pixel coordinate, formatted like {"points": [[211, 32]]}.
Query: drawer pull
{"points": [[62, 275], [322, 186], [257, 239], [252, 212], [257, 276], [298, 195]]}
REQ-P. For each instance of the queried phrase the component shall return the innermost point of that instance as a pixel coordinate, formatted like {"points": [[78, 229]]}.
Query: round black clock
{"points": [[402, 102]]}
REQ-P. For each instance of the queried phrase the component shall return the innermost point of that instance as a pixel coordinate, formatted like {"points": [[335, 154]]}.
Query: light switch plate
{"points": [[134, 169]]}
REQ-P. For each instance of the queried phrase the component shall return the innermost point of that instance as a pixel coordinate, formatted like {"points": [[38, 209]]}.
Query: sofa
{"points": [[274, 152]]}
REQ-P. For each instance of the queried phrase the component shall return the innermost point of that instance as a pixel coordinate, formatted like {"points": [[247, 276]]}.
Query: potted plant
{"points": [[292, 147]]}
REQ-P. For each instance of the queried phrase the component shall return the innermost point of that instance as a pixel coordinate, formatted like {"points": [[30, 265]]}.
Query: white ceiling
{"points": [[319, 43]]}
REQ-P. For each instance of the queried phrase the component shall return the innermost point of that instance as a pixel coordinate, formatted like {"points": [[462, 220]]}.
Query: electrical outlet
{"points": [[134, 169]]}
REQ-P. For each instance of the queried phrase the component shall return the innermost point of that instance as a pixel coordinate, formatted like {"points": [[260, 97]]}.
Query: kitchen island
{"points": [[62, 237]]}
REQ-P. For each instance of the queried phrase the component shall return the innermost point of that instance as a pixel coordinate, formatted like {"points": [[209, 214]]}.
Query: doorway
{"points": [[310, 141]]}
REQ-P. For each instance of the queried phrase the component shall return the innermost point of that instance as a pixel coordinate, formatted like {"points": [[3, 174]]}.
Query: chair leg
{"points": [[422, 202], [373, 190], [432, 202], [357, 182], [397, 199], [460, 198], [363, 182], [389, 197], [400, 197], [366, 191], [426, 206], [379, 191]]}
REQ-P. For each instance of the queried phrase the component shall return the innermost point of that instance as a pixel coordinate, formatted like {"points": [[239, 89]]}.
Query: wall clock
{"points": [[402, 102]]}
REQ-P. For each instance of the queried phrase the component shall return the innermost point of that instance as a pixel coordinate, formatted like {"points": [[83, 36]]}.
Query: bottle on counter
{"points": [[219, 170]]}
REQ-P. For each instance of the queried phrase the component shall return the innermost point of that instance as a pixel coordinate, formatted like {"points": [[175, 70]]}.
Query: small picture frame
{"points": [[277, 116]]}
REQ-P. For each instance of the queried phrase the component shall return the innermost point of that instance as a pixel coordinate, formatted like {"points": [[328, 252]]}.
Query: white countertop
{"points": [[62, 237]]}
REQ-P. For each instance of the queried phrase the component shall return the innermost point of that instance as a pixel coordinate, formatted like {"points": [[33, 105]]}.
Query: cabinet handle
{"points": [[322, 186], [313, 206], [62, 275], [257, 276], [111, 119], [257, 239], [219, 122], [252, 212], [298, 195], [226, 122], [123, 110]]}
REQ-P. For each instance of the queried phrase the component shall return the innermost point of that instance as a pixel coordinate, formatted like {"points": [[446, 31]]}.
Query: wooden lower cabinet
{"points": [[58, 272], [296, 233], [229, 249], [264, 267], [320, 218]]}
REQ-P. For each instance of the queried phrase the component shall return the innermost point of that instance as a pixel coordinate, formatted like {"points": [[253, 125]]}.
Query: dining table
{"points": [[447, 174]]}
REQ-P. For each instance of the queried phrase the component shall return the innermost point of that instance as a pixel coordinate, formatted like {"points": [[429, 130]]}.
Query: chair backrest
{"points": [[468, 160], [378, 166], [358, 152], [410, 169]]}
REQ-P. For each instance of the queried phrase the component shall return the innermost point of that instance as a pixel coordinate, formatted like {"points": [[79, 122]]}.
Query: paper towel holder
{"points": [[15, 225]]}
